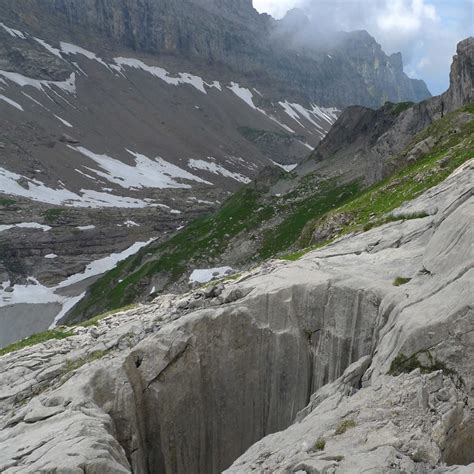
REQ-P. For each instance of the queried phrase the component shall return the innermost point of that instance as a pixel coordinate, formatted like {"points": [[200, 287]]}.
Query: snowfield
{"points": [[215, 168], [146, 173]]}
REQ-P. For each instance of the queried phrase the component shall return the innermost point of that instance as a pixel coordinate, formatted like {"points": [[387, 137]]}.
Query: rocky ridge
{"points": [[188, 383]]}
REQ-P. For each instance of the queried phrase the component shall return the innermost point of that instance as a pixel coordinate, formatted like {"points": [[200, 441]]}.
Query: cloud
{"points": [[424, 31], [408, 16]]}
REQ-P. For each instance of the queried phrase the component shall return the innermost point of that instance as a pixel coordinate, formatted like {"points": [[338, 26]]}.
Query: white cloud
{"points": [[424, 31], [406, 16]]}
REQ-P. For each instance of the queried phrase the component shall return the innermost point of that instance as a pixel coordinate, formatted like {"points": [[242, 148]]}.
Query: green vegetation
{"points": [[404, 365], [35, 339], [287, 232], [320, 444], [286, 224], [205, 238], [373, 205], [96, 320], [72, 365], [398, 108], [7, 202], [393, 218], [54, 215], [399, 281], [344, 425]]}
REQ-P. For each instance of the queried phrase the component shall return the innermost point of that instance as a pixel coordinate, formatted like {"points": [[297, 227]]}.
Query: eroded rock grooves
{"points": [[188, 384]]}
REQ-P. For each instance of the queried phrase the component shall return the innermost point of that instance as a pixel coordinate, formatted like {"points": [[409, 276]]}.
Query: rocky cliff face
{"points": [[187, 384], [376, 138], [235, 36]]}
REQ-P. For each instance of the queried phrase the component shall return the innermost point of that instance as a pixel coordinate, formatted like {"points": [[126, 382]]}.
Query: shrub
{"points": [[320, 444], [344, 425], [399, 281]]}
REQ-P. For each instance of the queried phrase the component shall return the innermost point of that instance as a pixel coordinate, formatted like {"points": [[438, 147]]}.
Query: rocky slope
{"points": [[358, 354], [120, 122], [327, 194]]}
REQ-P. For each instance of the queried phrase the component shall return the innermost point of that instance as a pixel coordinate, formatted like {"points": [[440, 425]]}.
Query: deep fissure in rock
{"points": [[208, 390]]}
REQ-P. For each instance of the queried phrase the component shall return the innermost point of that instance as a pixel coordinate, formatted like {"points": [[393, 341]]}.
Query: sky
{"points": [[424, 31]]}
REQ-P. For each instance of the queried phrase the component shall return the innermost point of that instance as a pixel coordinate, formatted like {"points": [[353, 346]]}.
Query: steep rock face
{"points": [[374, 138], [187, 383], [233, 35], [461, 90]]}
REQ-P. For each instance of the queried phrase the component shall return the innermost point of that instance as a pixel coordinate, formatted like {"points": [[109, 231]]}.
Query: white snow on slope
{"points": [[51, 256], [38, 191], [217, 169], [36, 293], [86, 227], [243, 94], [146, 173], [26, 225], [297, 112], [69, 85], [68, 48], [13, 32], [11, 102], [205, 275], [287, 168], [97, 267], [48, 47], [164, 75], [64, 122]]}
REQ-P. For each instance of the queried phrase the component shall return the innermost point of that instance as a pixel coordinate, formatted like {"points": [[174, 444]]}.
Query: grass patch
{"points": [[54, 215], [72, 365], [404, 365], [7, 202], [343, 426], [372, 207], [35, 339], [329, 196], [398, 108], [399, 281], [320, 444]]}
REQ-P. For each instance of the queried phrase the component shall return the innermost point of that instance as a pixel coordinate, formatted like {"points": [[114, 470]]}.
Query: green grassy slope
{"points": [[275, 225]]}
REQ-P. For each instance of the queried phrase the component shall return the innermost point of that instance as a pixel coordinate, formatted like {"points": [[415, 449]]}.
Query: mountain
{"points": [[122, 121], [280, 212], [357, 356]]}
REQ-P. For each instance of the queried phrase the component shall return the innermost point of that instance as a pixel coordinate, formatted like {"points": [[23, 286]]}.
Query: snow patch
{"points": [[26, 225], [11, 102], [164, 75], [207, 274], [13, 32], [146, 173], [51, 256], [217, 169], [68, 48], [69, 85], [48, 47], [64, 122], [85, 227], [287, 168], [38, 191], [33, 292], [130, 223], [243, 94]]}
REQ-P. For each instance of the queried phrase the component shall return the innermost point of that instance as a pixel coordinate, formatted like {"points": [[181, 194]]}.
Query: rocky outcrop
{"points": [[461, 90], [373, 139], [187, 384]]}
